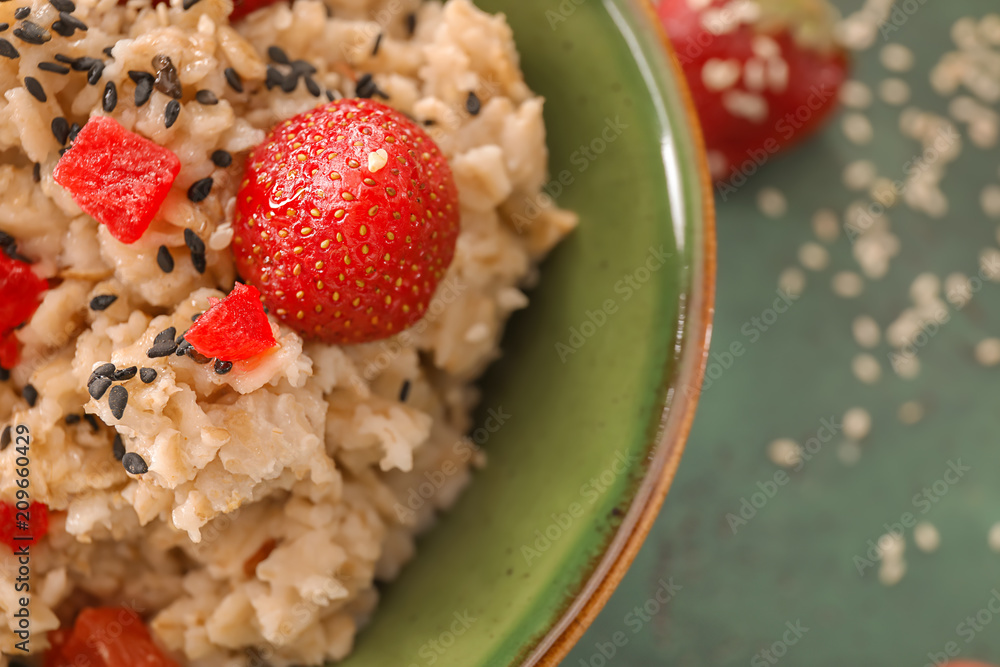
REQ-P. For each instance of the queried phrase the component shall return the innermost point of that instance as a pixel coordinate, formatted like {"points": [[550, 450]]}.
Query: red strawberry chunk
{"points": [[243, 7], [105, 637], [20, 293], [118, 177], [234, 328], [20, 528]]}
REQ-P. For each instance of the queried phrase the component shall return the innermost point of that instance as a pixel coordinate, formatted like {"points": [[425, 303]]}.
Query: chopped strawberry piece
{"points": [[20, 292], [106, 637], [116, 176], [234, 328], [243, 7], [20, 528], [8, 350]]}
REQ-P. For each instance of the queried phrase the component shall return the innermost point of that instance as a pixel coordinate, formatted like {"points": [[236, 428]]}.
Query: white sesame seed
{"points": [[891, 572], [764, 47], [964, 33], [896, 57], [847, 284], [866, 368], [926, 537], [860, 174], [777, 74], [792, 281], [784, 452], [377, 160], [718, 74], [988, 352], [894, 92], [857, 424], [848, 452], [742, 104], [866, 331], [883, 191], [826, 225], [906, 366], [989, 199], [989, 28], [891, 546], [925, 288], [813, 256], [993, 538], [855, 94], [477, 333], [856, 32], [989, 261], [771, 202], [910, 413], [857, 128], [753, 75]]}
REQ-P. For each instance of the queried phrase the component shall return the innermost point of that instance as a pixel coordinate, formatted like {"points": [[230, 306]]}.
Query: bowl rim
{"points": [[607, 571]]}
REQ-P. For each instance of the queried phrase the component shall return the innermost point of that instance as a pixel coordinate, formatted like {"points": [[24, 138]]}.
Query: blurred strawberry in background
{"points": [[764, 74]]}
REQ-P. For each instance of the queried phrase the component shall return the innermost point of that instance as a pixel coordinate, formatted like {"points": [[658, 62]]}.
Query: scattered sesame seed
{"points": [[193, 241], [134, 464], [857, 423], [30, 394], [4, 26], [771, 202], [188, 4], [32, 33], [5, 438], [404, 391], [123, 374], [81, 64], [988, 352], [866, 331], [813, 256], [896, 57], [166, 335], [784, 452], [108, 51], [891, 572], [194, 318], [63, 5], [989, 200], [233, 79], [95, 73], [72, 21], [222, 159], [4, 374], [826, 225], [847, 284], [36, 173], [147, 375], [117, 400], [206, 97], [22, 13], [55, 68], [926, 537], [472, 104], [289, 83], [73, 419], [330, 95], [196, 356], [910, 412], [166, 81], [894, 92], [92, 420], [98, 385], [223, 367], [198, 192], [143, 86], [278, 55], [110, 98], [365, 88], [74, 130], [35, 88], [164, 259], [866, 368], [199, 262], [172, 111], [7, 49], [411, 23], [857, 128], [860, 174], [102, 301], [274, 78], [313, 87], [302, 67], [993, 538], [63, 29], [104, 370], [118, 448], [792, 281]]}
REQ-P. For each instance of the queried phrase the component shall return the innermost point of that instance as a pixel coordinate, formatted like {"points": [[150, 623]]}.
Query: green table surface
{"points": [[793, 565]]}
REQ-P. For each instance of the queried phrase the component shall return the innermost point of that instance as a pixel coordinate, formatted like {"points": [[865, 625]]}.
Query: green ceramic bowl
{"points": [[593, 377]]}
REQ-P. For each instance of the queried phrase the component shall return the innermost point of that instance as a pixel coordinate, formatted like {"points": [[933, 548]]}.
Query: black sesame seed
{"points": [[4, 26], [378, 43], [35, 88], [110, 99], [123, 374], [164, 349], [206, 97], [147, 375], [104, 370], [166, 81], [278, 55], [117, 400], [134, 464], [72, 21], [198, 191], [365, 86], [188, 4], [411, 23], [164, 259], [82, 64], [63, 29], [404, 391], [182, 346], [166, 335], [73, 419], [303, 67], [74, 130], [102, 301], [97, 386], [36, 173], [22, 13], [194, 318], [274, 78], [196, 356], [223, 367], [143, 89], [472, 104], [233, 79], [429, 122], [194, 242], [69, 60], [118, 448], [199, 262], [32, 33], [107, 50], [330, 96], [135, 75], [4, 374], [95, 73], [30, 394], [7, 49], [290, 82], [5, 438], [92, 420], [171, 112], [53, 67], [313, 87], [221, 158], [63, 5]]}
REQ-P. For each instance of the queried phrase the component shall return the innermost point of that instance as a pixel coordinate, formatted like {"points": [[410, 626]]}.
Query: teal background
{"points": [[794, 560]]}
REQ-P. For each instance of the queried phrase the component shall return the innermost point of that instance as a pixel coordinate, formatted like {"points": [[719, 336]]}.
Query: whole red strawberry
{"points": [[763, 74], [346, 221]]}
